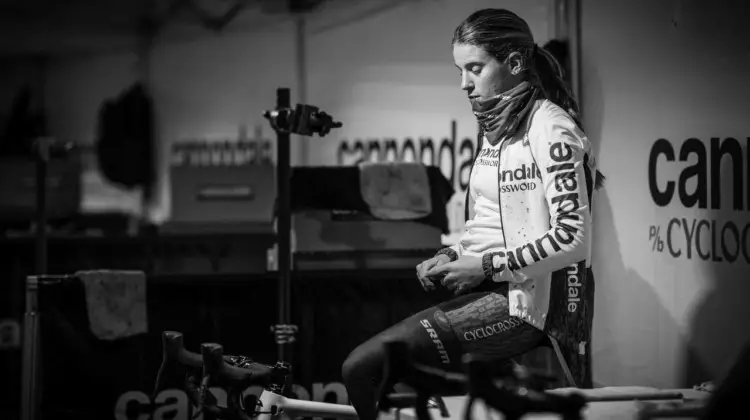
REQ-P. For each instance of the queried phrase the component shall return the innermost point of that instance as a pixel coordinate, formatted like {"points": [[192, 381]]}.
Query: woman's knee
{"points": [[363, 361]]}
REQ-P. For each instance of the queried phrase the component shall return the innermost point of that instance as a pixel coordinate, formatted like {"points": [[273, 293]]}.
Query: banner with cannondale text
{"points": [[710, 180], [699, 241], [672, 253]]}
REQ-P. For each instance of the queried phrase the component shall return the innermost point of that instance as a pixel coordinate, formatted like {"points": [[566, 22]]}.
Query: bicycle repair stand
{"points": [[304, 120], [44, 150]]}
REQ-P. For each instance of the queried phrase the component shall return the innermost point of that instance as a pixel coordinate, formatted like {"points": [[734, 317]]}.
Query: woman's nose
{"points": [[465, 82]]}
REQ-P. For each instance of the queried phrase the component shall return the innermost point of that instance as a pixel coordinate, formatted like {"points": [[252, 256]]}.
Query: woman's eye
{"points": [[476, 69]]}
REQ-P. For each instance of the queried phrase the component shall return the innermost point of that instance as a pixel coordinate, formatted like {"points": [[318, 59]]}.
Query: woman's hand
{"points": [[425, 266], [461, 275]]}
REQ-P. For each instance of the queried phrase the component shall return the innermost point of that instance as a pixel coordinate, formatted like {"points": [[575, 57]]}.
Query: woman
{"points": [[527, 209]]}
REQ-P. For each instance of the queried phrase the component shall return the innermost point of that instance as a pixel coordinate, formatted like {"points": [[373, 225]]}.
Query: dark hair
{"points": [[501, 32]]}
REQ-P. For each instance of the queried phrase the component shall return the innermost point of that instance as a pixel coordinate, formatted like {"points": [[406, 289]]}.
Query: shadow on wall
{"points": [[720, 322], [720, 325], [628, 315]]}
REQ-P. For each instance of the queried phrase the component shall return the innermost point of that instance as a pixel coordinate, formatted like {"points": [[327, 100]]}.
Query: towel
{"points": [[116, 303], [395, 190]]}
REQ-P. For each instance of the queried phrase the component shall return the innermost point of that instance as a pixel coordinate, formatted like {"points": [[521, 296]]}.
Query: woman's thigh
{"points": [[483, 325], [477, 323], [426, 341]]}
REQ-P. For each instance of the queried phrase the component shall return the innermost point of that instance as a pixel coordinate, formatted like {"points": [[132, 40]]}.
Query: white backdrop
{"points": [[672, 70]]}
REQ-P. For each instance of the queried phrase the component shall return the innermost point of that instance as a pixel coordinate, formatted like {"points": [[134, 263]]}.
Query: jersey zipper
{"points": [[499, 195]]}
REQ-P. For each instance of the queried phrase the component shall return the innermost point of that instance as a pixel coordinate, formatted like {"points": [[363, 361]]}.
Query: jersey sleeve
{"points": [[560, 149], [453, 252]]}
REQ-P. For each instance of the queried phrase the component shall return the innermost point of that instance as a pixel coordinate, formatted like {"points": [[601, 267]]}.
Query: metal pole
{"points": [[30, 388], [42, 160], [302, 143], [573, 15], [284, 222]]}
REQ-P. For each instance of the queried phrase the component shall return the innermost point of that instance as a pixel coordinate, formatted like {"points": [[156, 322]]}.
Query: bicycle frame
{"points": [[272, 405]]}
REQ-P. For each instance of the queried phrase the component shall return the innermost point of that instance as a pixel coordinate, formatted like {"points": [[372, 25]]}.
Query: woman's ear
{"points": [[516, 63]]}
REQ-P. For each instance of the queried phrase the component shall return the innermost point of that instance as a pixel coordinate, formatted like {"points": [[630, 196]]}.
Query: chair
{"points": [[541, 358], [569, 331]]}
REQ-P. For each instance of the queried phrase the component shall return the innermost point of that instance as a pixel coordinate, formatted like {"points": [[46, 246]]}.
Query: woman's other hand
{"points": [[459, 276], [425, 266]]}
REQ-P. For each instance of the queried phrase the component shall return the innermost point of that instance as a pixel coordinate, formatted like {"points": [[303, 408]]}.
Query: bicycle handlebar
{"points": [[215, 371], [212, 357], [216, 365], [211, 367]]}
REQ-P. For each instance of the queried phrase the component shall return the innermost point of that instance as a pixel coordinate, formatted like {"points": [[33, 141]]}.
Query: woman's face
{"points": [[482, 76]]}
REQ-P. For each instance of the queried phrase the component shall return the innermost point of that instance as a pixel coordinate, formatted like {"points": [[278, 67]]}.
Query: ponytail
{"points": [[552, 81]]}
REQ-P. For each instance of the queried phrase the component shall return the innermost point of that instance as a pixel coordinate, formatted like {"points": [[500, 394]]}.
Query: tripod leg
{"points": [[30, 368]]}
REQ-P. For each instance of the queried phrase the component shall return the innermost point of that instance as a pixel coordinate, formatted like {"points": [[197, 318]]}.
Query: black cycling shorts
{"points": [[476, 323]]}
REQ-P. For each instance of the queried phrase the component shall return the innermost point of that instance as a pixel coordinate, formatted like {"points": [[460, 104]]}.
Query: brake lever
{"points": [[192, 388], [198, 390], [208, 402], [174, 375], [234, 404]]}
